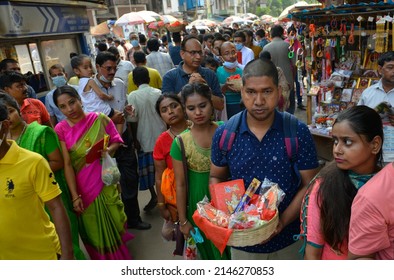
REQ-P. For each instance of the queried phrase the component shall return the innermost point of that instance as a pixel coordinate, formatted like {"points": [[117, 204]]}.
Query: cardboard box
{"points": [[225, 196]]}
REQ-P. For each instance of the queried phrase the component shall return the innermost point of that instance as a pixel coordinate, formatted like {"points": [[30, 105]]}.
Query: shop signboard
{"points": [[26, 20]]}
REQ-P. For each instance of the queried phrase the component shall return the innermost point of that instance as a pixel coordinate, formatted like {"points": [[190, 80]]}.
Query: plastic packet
{"points": [[242, 220], [267, 186], [214, 215], [109, 173]]}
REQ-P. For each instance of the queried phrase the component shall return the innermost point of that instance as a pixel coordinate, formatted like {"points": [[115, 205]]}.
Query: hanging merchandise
{"points": [[379, 42]]}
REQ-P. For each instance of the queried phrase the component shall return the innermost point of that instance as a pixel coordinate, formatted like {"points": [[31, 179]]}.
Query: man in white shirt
{"points": [[245, 54], [122, 53], [383, 91], [146, 126]]}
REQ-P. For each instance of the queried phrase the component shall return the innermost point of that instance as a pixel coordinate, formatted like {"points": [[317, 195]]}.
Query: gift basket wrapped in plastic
{"points": [[239, 218]]}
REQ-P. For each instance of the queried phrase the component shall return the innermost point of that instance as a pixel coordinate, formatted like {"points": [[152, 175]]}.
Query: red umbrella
{"points": [[156, 24]]}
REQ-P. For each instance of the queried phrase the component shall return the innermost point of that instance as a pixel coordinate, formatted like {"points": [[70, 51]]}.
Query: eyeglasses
{"points": [[109, 68], [193, 53]]}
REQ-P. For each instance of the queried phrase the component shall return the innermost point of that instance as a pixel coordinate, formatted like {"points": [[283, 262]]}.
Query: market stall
{"points": [[340, 50]]}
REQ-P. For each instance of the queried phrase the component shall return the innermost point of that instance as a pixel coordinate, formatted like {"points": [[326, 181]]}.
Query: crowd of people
{"points": [[159, 106]]}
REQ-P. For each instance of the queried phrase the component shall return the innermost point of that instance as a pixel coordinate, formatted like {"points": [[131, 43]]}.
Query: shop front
{"points": [[41, 35]]}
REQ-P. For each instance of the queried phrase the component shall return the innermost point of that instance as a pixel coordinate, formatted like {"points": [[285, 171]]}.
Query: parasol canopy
{"points": [[134, 18], [249, 16], [169, 19], [156, 16], [156, 24], [203, 22], [103, 29], [229, 20], [287, 10]]}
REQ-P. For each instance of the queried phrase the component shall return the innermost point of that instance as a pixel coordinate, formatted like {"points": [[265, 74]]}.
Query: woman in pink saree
{"points": [[101, 218]]}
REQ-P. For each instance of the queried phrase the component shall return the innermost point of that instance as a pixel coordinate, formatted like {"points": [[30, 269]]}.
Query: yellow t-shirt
{"points": [[155, 80], [26, 182]]}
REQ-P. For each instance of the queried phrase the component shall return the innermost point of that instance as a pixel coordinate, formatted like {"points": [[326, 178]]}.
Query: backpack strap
{"points": [[290, 125], [229, 132]]}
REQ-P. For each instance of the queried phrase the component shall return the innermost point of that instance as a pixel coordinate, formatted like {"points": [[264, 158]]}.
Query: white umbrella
{"points": [[287, 10], [169, 19], [156, 16], [134, 18]]}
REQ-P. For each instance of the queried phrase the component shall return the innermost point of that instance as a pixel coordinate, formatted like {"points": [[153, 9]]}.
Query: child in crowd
{"points": [[93, 98], [325, 211]]}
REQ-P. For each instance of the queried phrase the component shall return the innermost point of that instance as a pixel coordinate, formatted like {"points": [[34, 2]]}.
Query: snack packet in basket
{"points": [[242, 220], [214, 215], [251, 190], [270, 197]]}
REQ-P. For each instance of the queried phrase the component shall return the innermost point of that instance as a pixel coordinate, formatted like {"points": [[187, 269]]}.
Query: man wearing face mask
{"points": [[229, 68], [134, 41], [123, 68], [244, 54], [59, 79]]}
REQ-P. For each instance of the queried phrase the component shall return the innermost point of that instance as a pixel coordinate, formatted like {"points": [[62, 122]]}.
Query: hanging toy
{"points": [[328, 63], [351, 36]]}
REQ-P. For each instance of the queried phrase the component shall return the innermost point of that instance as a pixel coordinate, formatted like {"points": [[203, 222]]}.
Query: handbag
{"points": [[179, 238]]}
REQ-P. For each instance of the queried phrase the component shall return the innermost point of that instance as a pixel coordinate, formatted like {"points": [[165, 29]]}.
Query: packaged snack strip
{"points": [[268, 185], [242, 220], [214, 215], [254, 185]]}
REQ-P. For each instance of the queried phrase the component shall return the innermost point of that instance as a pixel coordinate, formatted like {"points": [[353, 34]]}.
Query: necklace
{"points": [[18, 140], [172, 133]]}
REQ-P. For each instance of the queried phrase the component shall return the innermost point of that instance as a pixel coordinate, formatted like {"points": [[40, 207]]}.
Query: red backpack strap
{"points": [[229, 132], [290, 126]]}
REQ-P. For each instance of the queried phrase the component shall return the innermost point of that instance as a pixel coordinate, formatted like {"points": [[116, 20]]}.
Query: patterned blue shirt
{"points": [[175, 79], [249, 158]]}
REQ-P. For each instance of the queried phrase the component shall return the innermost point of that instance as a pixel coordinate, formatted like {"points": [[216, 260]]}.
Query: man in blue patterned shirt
{"points": [[259, 151]]}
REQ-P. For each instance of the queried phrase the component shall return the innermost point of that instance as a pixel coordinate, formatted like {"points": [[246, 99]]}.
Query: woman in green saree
{"points": [[44, 141]]}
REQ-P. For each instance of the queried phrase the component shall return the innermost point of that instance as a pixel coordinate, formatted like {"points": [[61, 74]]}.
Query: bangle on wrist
{"points": [[75, 199], [184, 223], [159, 204]]}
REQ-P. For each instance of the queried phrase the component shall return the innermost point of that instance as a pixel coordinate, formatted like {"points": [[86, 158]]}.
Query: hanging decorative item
{"points": [[379, 42]]}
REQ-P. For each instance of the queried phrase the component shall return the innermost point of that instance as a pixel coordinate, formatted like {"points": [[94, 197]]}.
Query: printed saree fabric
{"points": [[102, 224]]}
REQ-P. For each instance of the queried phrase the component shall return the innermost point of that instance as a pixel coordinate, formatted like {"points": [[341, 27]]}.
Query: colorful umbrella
{"points": [[134, 18], [156, 24], [229, 20], [203, 22], [156, 16], [169, 19]]}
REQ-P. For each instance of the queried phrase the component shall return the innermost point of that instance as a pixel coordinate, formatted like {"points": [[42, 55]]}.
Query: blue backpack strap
{"points": [[229, 132], [290, 125]]}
